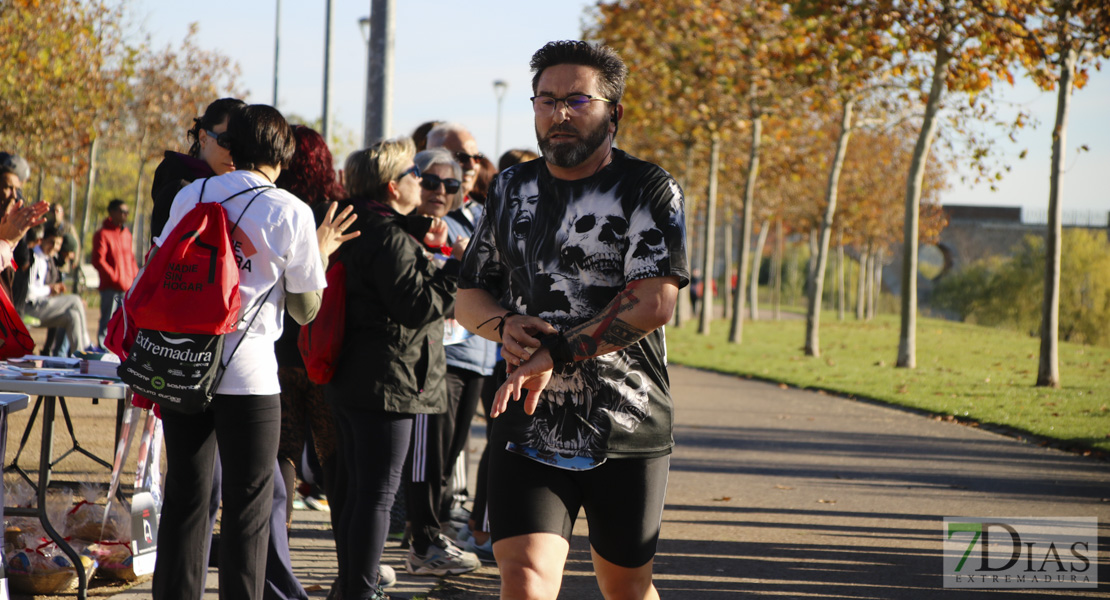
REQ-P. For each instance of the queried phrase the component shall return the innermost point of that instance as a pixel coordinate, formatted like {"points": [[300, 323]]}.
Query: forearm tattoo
{"points": [[621, 334], [609, 332]]}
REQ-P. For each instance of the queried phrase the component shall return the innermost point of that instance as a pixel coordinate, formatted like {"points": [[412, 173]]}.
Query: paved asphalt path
{"points": [[785, 493]]}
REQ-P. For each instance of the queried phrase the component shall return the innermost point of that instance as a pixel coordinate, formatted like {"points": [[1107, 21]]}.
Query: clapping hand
{"points": [[20, 218]]}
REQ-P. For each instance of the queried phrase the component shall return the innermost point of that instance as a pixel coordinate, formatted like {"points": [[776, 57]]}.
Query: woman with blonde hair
{"points": [[392, 364]]}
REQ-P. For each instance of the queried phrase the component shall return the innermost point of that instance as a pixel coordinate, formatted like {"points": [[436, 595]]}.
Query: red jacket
{"points": [[113, 258]]}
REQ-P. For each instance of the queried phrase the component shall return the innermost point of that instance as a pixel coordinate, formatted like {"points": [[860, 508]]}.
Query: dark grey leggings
{"points": [[372, 445]]}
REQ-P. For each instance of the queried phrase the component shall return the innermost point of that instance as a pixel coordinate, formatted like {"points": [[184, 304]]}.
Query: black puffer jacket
{"points": [[174, 172], [392, 355]]}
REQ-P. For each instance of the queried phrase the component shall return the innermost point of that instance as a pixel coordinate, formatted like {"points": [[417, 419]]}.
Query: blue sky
{"points": [[448, 53]]}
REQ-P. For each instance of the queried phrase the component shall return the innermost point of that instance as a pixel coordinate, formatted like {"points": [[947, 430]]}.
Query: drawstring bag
{"points": [[182, 303], [321, 341], [15, 340]]}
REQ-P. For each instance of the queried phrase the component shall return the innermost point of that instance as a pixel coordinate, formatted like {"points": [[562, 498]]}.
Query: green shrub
{"points": [[1010, 292]]}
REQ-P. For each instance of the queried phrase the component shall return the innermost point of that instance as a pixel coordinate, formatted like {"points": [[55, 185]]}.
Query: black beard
{"points": [[571, 154]]}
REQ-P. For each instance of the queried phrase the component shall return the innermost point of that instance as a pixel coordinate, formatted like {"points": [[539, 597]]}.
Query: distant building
{"points": [[994, 214], [977, 232]]}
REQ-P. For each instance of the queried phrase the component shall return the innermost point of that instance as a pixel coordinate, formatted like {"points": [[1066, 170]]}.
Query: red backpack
{"points": [[180, 307], [14, 339], [191, 285], [321, 341]]}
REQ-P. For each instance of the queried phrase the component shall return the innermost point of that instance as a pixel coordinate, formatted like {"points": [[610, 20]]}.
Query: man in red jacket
{"points": [[115, 261]]}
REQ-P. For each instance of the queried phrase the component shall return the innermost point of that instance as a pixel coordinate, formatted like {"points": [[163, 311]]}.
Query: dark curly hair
{"points": [[215, 114], [311, 174]]}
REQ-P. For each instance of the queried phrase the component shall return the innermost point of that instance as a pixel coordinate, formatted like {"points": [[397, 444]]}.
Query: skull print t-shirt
{"points": [[561, 251]]}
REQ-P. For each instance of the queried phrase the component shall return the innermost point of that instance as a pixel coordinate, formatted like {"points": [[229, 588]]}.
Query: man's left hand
{"points": [[531, 377]]}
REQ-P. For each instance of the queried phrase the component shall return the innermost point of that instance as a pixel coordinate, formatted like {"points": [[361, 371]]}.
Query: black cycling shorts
{"points": [[623, 498]]}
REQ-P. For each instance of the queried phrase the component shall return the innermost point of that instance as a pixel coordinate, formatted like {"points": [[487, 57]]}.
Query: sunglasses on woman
{"points": [[431, 183], [222, 139], [413, 170]]}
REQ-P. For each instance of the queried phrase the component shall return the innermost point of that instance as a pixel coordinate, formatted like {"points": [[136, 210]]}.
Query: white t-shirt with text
{"points": [[275, 239]]}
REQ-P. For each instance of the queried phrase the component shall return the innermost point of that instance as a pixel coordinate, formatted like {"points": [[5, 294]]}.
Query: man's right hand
{"points": [[518, 339]]}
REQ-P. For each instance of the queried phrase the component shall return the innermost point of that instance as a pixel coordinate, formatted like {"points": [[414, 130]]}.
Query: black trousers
{"points": [[464, 391], [478, 513], [437, 441], [247, 430]]}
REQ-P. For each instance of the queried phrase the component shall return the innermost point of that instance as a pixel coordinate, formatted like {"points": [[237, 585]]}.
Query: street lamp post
{"points": [[364, 29], [379, 71], [277, 37], [499, 89], [329, 13]]}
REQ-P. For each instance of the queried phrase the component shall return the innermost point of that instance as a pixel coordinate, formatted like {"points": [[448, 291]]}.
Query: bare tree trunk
{"points": [[776, 270], [137, 218], [870, 297], [683, 309], [840, 295], [90, 182], [710, 226], [792, 275], [726, 296], [861, 284], [757, 262], [72, 198], [74, 270], [907, 337], [813, 311], [736, 334], [1048, 366], [877, 292], [42, 175], [811, 262]]}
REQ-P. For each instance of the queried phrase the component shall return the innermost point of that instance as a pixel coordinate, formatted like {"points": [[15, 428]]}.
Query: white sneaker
{"points": [[484, 552], [442, 558], [387, 577]]}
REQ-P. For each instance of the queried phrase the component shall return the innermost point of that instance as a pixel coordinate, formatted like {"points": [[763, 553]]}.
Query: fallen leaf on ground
{"points": [[823, 501]]}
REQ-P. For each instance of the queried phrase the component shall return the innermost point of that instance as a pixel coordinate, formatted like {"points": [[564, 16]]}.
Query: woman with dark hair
{"points": [[280, 254], [486, 172], [391, 367], [206, 158], [310, 177]]}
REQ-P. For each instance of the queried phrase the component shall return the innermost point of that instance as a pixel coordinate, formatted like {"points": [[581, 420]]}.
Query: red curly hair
{"points": [[311, 174]]}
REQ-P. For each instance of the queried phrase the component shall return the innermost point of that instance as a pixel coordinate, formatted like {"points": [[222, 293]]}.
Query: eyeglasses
{"points": [[222, 139], [545, 106], [463, 157], [413, 170], [431, 183]]}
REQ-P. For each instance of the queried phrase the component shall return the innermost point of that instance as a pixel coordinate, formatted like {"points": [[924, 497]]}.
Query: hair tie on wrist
{"points": [[500, 327]]}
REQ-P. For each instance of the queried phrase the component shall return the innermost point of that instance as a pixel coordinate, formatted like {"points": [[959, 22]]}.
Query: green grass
{"points": [[966, 372]]}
